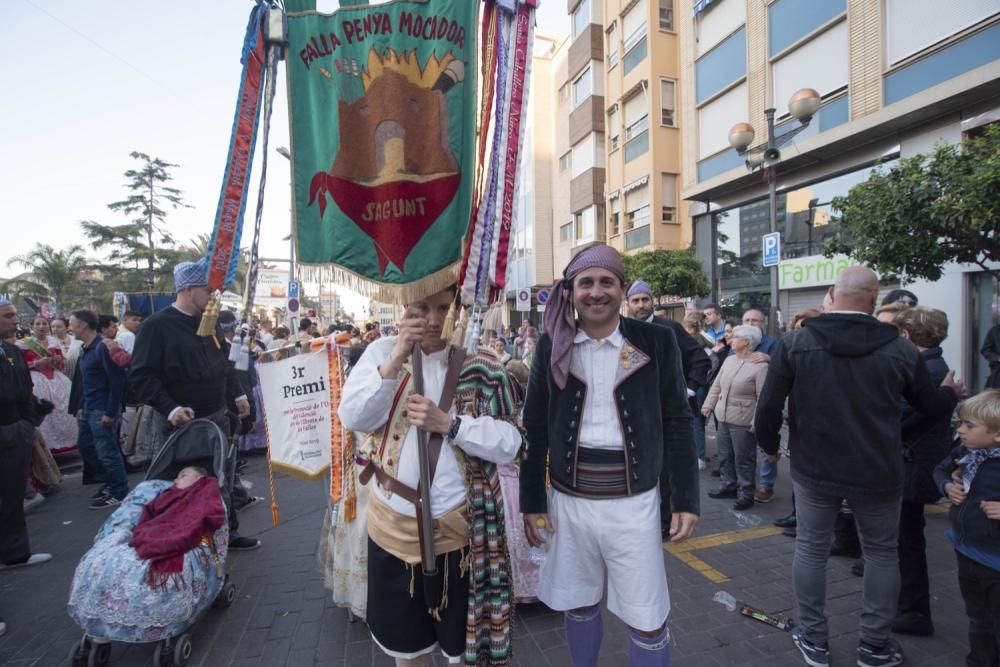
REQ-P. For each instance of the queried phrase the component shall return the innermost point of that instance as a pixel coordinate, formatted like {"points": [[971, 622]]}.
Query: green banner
{"points": [[382, 114]]}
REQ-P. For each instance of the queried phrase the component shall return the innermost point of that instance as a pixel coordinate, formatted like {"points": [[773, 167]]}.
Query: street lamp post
{"points": [[803, 105]]}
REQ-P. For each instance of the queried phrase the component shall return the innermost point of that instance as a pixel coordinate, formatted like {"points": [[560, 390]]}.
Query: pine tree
{"points": [[140, 251]]}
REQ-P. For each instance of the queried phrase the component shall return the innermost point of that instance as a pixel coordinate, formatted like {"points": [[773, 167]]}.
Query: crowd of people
{"points": [[604, 420]]}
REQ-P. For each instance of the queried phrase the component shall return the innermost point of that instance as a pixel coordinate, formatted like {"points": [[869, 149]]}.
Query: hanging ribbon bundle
{"points": [[506, 44], [261, 52]]}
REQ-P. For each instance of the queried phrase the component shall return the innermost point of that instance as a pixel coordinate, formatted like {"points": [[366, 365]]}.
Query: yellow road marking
{"points": [[683, 550]]}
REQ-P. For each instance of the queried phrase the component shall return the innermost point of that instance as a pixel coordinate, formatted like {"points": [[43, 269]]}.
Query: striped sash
{"points": [[600, 473]]}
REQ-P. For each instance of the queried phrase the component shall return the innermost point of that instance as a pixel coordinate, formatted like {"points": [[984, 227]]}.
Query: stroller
{"points": [[132, 611]]}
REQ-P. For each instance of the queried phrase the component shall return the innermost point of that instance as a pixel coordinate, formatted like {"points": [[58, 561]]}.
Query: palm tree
{"points": [[49, 273]]}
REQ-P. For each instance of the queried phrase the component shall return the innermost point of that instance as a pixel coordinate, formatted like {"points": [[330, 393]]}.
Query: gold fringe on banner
{"points": [[382, 292]]}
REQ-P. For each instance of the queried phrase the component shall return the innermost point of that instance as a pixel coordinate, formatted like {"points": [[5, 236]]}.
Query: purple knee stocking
{"points": [[649, 651], [584, 631]]}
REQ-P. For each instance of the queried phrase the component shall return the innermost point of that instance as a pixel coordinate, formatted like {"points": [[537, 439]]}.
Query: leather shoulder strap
{"points": [[455, 364]]}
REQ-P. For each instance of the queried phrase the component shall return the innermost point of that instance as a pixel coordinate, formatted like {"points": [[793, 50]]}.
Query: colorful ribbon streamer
{"points": [[223, 250]]}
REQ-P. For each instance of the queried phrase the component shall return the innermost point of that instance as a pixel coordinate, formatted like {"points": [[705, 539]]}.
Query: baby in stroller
{"points": [[156, 564]]}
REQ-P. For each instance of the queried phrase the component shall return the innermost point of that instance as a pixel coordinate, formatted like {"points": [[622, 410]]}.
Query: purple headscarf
{"points": [[560, 320]]}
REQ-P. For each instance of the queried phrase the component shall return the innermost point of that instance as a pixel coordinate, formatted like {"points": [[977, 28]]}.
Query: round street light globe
{"points": [[804, 103], [741, 136]]}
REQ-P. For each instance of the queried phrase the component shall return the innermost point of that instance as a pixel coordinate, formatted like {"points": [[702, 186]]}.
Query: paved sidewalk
{"points": [[284, 616]]}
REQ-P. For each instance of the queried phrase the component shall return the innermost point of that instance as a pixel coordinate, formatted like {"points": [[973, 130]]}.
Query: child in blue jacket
{"points": [[970, 478]]}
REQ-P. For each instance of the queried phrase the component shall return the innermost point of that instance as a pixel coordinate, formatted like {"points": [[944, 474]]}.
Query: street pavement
{"points": [[284, 616]]}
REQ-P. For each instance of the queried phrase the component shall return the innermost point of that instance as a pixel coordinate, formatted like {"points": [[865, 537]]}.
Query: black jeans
{"points": [[980, 586], [15, 453], [914, 591]]}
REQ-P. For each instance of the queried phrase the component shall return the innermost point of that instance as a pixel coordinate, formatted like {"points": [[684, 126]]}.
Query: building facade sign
{"points": [[815, 271]]}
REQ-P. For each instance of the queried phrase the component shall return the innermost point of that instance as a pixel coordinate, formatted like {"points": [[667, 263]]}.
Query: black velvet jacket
{"points": [[651, 396]]}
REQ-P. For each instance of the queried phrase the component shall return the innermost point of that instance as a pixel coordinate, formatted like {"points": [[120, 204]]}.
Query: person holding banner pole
{"points": [[379, 398], [184, 376]]}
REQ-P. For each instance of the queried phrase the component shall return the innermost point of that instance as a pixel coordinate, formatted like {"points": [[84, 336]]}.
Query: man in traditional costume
{"points": [[606, 414], [464, 610], [17, 433], [696, 366], [184, 376]]}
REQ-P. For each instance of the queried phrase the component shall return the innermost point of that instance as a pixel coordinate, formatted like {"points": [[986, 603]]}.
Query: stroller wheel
{"points": [[78, 653], [226, 597], [99, 654], [182, 651], [161, 655]]}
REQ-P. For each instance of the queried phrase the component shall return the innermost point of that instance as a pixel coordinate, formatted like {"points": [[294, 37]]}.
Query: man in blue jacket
{"points": [[845, 375], [606, 414], [100, 405]]}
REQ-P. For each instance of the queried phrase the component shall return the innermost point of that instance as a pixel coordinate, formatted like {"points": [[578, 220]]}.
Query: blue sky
{"points": [[87, 83]]}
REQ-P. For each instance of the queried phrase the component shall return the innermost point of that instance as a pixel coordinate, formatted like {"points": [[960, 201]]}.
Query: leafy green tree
{"points": [[49, 274], [668, 272], [139, 251], [927, 211]]}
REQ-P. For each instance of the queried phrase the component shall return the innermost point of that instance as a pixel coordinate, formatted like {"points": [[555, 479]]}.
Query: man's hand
{"points": [[956, 386], [533, 531], [706, 412], [991, 508], [79, 415], [243, 407], [411, 330], [682, 525], [773, 458], [956, 476], [422, 413], [111, 344], [181, 417], [955, 493], [760, 358]]}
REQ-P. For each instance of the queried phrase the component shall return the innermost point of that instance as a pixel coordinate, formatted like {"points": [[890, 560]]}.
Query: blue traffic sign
{"points": [[293, 305], [293, 289], [542, 296], [772, 249]]}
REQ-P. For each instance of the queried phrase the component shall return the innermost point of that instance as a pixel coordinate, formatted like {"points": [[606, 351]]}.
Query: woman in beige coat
{"points": [[733, 399]]}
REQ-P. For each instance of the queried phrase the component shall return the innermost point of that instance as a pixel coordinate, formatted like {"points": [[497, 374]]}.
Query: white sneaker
{"points": [[701, 464], [34, 502]]}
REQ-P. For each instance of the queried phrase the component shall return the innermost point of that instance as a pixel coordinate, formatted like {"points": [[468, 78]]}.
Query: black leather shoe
{"points": [[722, 492], [858, 569], [913, 623], [790, 532], [743, 504], [786, 521]]}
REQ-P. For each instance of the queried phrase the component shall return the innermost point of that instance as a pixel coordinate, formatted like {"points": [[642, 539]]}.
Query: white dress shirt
{"points": [[365, 405], [600, 427], [126, 339]]}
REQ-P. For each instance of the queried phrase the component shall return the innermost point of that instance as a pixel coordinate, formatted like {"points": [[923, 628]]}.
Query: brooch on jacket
{"points": [[629, 356]]}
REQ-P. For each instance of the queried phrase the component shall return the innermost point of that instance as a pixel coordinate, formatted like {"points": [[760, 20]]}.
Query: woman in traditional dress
{"points": [[45, 360], [61, 337]]}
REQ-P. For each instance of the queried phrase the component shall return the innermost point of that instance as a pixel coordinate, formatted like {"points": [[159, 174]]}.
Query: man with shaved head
{"points": [[845, 375]]}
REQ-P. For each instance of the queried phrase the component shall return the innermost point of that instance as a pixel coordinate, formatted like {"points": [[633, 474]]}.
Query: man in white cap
{"points": [[182, 375]]}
